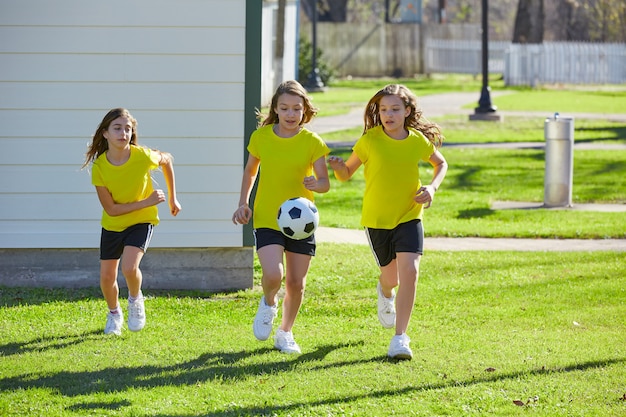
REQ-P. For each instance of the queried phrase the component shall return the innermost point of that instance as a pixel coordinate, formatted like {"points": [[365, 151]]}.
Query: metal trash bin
{"points": [[559, 169]]}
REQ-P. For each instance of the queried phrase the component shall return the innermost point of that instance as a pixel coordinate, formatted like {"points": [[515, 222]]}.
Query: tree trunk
{"points": [[529, 22]]}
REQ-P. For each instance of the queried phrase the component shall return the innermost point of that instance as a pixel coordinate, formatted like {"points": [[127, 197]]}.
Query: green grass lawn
{"points": [[489, 330], [478, 177], [458, 129], [344, 95], [574, 101]]}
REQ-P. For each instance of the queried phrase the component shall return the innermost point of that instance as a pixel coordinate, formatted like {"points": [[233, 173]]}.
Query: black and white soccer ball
{"points": [[298, 218]]}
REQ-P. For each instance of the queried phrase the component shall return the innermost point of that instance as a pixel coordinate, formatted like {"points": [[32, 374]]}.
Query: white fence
{"points": [[565, 62], [462, 56], [546, 63]]}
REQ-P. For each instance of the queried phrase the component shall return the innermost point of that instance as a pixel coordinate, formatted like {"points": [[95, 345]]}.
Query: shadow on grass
{"points": [[222, 366], [611, 167], [229, 367], [603, 133], [294, 407], [21, 296], [475, 213], [48, 343], [100, 405]]}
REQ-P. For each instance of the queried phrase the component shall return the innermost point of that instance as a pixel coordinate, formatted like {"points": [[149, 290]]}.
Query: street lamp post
{"points": [[314, 82], [485, 110]]}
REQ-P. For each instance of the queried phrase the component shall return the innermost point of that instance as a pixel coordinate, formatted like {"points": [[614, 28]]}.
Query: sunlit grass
{"points": [[489, 330], [477, 177]]}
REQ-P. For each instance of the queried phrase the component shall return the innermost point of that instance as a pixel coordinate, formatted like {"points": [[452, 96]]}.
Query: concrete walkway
{"points": [[445, 104], [452, 103], [353, 236]]}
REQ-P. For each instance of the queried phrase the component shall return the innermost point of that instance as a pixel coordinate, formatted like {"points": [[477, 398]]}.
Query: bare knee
{"points": [[273, 275], [130, 271], [295, 286], [108, 273]]}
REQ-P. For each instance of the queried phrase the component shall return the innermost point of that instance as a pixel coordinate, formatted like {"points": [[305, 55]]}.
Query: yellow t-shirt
{"points": [[127, 183], [391, 176], [284, 164]]}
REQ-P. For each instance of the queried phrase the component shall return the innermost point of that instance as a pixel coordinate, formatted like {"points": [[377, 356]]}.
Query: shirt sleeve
{"points": [[96, 175], [321, 149]]}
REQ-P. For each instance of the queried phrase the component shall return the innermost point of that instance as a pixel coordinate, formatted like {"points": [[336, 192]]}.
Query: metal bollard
{"points": [[559, 170]]}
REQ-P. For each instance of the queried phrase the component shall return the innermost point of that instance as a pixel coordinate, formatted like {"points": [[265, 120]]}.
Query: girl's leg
{"points": [[131, 258], [108, 282], [389, 277], [271, 260], [295, 282], [408, 273]]}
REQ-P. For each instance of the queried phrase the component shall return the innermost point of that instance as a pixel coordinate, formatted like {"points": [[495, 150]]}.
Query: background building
{"points": [[189, 71]]}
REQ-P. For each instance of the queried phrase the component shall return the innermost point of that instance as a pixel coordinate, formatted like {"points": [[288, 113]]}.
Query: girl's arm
{"points": [[243, 213], [167, 165], [116, 209], [318, 183], [344, 170], [426, 194]]}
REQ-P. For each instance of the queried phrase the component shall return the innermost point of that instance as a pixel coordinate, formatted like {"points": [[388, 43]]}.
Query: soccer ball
{"points": [[298, 218]]}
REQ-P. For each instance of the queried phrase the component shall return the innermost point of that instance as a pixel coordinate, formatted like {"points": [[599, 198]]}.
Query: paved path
{"points": [[452, 103], [445, 104], [333, 235]]}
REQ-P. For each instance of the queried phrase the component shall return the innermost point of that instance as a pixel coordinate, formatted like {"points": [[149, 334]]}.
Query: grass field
{"points": [[493, 333], [478, 177], [489, 331]]}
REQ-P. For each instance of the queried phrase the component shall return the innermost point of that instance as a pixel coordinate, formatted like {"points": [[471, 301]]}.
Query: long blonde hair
{"points": [[295, 89], [99, 144], [415, 119]]}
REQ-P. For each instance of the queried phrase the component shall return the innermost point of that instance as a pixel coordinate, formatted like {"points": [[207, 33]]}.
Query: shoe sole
{"points": [[261, 337], [402, 356], [136, 330], [289, 352]]}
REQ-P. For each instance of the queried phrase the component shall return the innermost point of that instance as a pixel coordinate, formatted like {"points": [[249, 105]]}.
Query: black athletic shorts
{"points": [[112, 243], [386, 243], [266, 236]]}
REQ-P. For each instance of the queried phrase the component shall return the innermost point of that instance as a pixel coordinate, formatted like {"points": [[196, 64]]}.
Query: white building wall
{"points": [[178, 66]]}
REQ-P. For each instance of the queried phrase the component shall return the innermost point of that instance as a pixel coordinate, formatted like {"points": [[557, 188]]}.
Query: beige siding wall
{"points": [[180, 69]]}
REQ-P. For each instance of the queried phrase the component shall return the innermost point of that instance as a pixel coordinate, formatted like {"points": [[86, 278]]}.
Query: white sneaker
{"points": [[399, 347], [284, 342], [136, 315], [386, 308], [114, 323], [264, 319]]}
